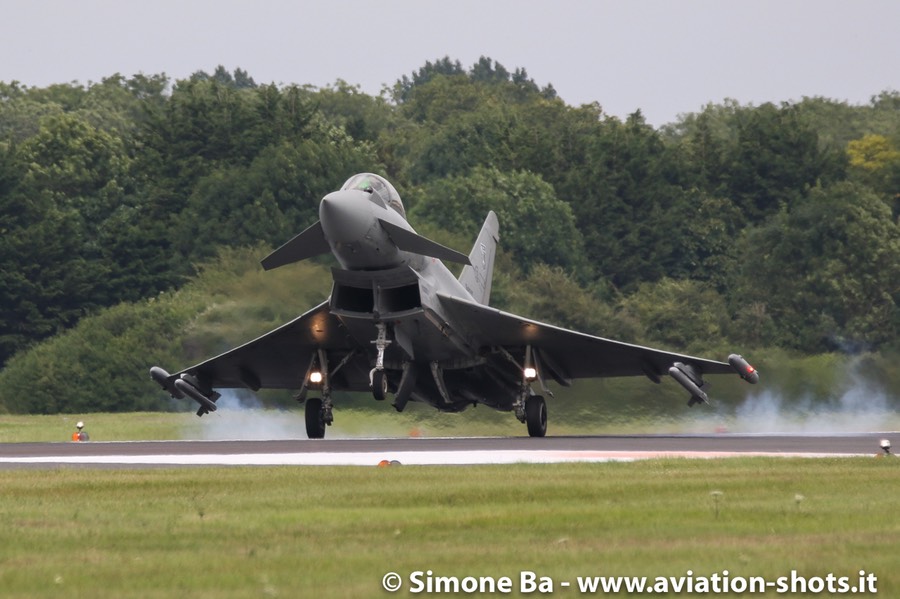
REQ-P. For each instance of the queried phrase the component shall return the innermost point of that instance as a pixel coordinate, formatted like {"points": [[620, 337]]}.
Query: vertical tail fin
{"points": [[477, 278]]}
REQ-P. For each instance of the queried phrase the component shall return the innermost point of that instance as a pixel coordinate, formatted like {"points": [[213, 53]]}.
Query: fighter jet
{"points": [[399, 323]]}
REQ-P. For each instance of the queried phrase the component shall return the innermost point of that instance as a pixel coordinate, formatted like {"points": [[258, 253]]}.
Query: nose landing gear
{"points": [[377, 377], [379, 385]]}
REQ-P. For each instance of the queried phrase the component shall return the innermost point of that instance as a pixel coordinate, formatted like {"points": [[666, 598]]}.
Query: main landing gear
{"points": [[530, 409], [536, 416], [319, 410], [315, 418]]}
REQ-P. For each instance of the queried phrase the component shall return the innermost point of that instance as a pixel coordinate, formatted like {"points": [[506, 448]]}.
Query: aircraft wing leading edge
{"points": [[574, 355], [278, 359]]}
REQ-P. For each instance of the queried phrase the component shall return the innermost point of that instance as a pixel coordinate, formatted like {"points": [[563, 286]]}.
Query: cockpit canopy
{"points": [[371, 183]]}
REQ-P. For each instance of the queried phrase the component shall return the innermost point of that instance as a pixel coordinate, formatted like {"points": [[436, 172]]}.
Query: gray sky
{"points": [[664, 57]]}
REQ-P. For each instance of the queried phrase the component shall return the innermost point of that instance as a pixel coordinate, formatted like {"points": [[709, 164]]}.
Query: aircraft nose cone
{"points": [[345, 216], [334, 208]]}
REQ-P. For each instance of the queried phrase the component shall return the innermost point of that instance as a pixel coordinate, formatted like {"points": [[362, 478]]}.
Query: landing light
{"points": [[315, 377], [530, 373]]}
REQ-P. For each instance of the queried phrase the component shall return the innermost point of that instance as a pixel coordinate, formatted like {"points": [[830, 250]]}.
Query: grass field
{"points": [[335, 531]]}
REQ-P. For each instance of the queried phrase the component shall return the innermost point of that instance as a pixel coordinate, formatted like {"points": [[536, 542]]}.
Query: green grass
{"points": [[139, 426], [335, 531]]}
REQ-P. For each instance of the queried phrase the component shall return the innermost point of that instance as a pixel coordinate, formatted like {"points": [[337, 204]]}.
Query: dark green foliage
{"points": [[403, 89], [363, 117], [677, 313], [534, 224], [65, 182], [269, 200], [639, 222], [766, 157], [548, 293], [777, 159], [827, 271], [239, 80], [111, 193]]}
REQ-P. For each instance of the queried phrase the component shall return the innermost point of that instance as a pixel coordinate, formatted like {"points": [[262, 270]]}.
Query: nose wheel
{"points": [[377, 377], [379, 385]]}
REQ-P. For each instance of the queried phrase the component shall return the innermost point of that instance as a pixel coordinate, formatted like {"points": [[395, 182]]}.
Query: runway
{"points": [[480, 450]]}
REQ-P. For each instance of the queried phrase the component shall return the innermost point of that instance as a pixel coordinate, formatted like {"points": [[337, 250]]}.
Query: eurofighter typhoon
{"points": [[399, 323]]}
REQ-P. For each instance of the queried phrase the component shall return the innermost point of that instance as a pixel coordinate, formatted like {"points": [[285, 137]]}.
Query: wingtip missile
{"points": [[743, 368]]}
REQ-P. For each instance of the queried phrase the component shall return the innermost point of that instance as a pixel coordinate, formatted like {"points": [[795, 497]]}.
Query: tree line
{"points": [[757, 226]]}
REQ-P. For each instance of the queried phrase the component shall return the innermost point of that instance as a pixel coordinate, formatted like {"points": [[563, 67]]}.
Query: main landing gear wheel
{"points": [[379, 385], [315, 418], [536, 416]]}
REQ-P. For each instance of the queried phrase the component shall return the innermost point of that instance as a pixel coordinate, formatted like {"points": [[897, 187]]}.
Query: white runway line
{"points": [[404, 457]]}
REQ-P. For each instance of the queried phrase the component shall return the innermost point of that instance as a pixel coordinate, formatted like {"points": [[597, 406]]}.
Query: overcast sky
{"points": [[664, 57]]}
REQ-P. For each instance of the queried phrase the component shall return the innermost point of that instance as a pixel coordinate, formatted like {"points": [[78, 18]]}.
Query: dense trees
{"points": [[63, 183], [771, 225], [828, 270], [97, 214], [537, 227]]}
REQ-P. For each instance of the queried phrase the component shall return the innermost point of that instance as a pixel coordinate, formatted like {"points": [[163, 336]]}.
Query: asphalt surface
{"points": [[859, 444]]}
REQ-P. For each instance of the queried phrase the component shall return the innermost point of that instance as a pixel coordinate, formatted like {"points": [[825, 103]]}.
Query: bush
{"points": [[102, 364]]}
